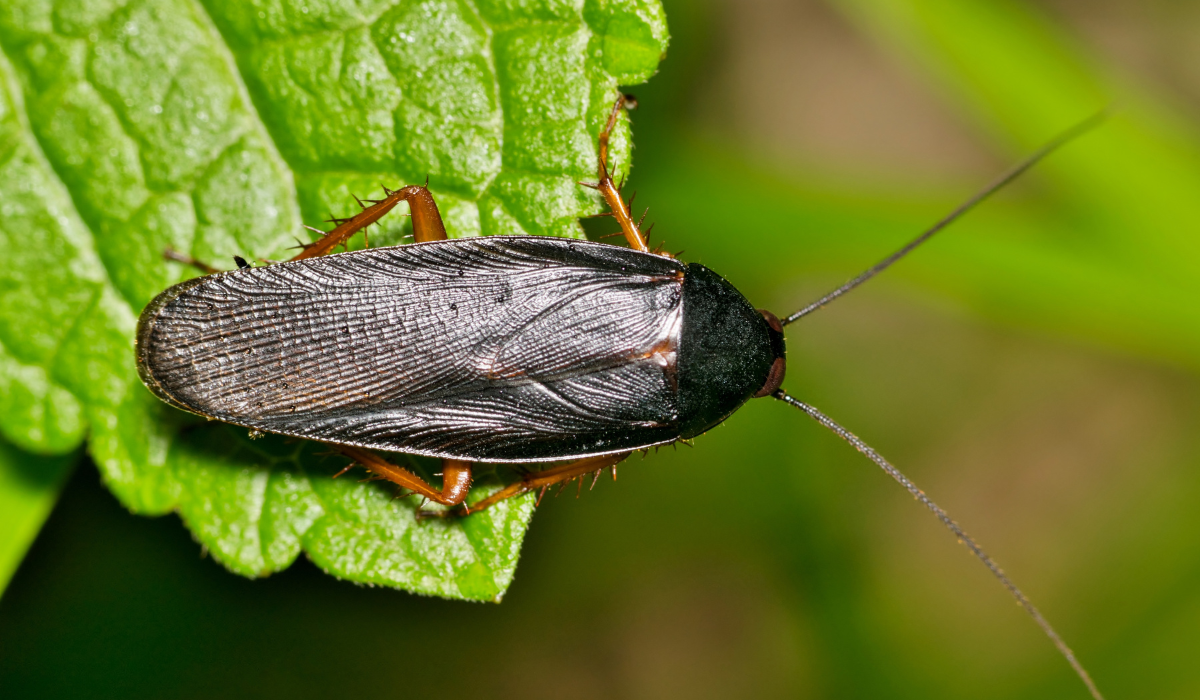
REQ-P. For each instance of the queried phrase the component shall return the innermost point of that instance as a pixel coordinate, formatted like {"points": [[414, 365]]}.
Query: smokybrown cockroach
{"points": [[500, 349]]}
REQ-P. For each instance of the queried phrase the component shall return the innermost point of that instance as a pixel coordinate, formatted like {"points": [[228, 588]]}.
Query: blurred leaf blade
{"points": [[29, 486], [216, 129], [1008, 259], [1132, 181], [1095, 243]]}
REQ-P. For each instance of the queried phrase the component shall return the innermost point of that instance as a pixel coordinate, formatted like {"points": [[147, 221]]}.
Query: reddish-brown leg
{"points": [[456, 475], [562, 474], [427, 221], [427, 226], [612, 195]]}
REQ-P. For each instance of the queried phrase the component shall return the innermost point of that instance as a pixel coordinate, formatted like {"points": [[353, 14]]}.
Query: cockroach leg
{"points": [[548, 477], [456, 476], [176, 256], [427, 221], [611, 193], [427, 226], [456, 480]]}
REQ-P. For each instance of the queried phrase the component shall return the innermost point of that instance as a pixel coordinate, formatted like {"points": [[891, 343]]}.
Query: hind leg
{"points": [[427, 226], [456, 478], [456, 475], [426, 219]]}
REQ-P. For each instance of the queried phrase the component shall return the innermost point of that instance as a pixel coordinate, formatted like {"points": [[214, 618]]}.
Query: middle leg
{"points": [[562, 474]]}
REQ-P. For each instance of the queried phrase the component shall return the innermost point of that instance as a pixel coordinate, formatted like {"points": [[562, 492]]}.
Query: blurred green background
{"points": [[1033, 369]]}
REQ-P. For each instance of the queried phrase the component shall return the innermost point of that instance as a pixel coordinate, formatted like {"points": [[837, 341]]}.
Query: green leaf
{"points": [[1118, 261], [218, 128], [29, 485]]}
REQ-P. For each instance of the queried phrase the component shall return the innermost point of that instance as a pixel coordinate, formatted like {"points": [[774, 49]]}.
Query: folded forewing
{"points": [[497, 348]]}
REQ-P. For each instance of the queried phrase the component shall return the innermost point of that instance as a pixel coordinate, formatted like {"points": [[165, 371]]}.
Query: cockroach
{"points": [[504, 349]]}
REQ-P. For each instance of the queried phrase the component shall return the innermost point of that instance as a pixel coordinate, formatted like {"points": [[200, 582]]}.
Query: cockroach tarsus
{"points": [[610, 351]]}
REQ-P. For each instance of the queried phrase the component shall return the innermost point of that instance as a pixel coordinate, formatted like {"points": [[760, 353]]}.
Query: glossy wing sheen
{"points": [[498, 349]]}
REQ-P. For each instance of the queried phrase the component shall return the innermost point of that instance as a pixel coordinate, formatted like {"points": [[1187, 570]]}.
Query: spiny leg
{"points": [[456, 475], [426, 220], [427, 225], [561, 474], [607, 188]]}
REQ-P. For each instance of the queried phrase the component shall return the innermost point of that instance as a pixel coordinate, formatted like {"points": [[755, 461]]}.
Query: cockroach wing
{"points": [[495, 349]]}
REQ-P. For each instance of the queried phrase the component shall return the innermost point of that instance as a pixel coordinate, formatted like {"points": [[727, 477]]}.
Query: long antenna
{"points": [[955, 528], [1012, 174]]}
